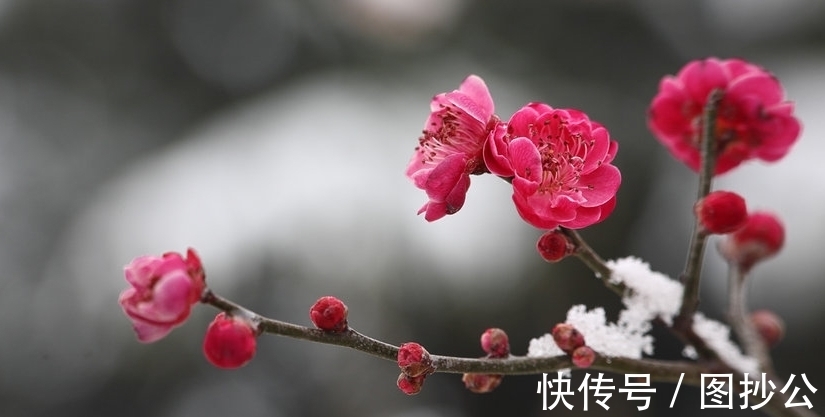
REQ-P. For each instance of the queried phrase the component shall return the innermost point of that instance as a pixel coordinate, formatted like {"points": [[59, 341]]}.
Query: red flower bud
{"points": [[554, 246], [410, 385], [330, 314], [567, 337], [414, 360], [761, 237], [496, 343], [481, 383], [583, 356], [769, 326], [721, 212], [230, 341]]}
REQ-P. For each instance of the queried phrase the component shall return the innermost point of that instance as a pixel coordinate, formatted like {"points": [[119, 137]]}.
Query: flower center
{"points": [[563, 153], [453, 131]]}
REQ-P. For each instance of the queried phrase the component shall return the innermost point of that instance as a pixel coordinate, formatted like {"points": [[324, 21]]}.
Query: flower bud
{"points": [[330, 314], [761, 237], [769, 326], [414, 360], [496, 343], [567, 337], [481, 383], [583, 356], [410, 385], [161, 293], [230, 341], [554, 246], [721, 212]]}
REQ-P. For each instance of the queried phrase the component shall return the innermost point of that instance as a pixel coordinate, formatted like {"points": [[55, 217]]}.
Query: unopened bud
{"points": [[330, 314], [495, 342], [769, 326], [761, 237], [583, 356], [229, 342], [567, 337], [414, 360], [481, 383], [410, 385], [721, 212], [554, 246]]}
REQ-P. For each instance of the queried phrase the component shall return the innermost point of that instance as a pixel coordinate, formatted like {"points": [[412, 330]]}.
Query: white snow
{"points": [[717, 336], [651, 294], [626, 338]]}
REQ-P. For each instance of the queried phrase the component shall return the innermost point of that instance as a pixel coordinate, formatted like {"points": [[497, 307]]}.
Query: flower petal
{"points": [[445, 176], [599, 186], [762, 85], [495, 152], [525, 159], [474, 98], [148, 332], [700, 77]]}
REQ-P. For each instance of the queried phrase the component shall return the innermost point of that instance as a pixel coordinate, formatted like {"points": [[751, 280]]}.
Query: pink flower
{"points": [[449, 150], [753, 119], [559, 161], [162, 293]]}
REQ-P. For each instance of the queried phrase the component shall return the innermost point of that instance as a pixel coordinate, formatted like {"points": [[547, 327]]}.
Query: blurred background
{"points": [[272, 136]]}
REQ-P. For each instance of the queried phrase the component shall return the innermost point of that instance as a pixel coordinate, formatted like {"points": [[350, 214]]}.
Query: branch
{"points": [[659, 370], [592, 260], [693, 267], [514, 365], [691, 276], [739, 320]]}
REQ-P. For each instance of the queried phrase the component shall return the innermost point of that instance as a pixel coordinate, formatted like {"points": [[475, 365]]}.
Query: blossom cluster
{"points": [[557, 159], [713, 115]]}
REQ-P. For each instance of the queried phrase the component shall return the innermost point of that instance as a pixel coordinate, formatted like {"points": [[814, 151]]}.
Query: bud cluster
{"points": [[415, 363], [752, 237], [571, 341], [496, 344]]}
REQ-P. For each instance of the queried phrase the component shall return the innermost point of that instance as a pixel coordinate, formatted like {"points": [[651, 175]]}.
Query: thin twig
{"points": [[741, 323], [592, 260], [693, 267]]}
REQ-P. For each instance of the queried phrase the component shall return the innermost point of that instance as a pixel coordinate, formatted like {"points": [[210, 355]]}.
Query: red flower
{"points": [[450, 148], [753, 119], [560, 164], [162, 292]]}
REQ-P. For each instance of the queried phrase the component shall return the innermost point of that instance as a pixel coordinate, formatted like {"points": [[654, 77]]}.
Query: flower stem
{"points": [[738, 318], [693, 267], [592, 260]]}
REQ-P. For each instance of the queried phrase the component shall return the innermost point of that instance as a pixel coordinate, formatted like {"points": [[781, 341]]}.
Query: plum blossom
{"points": [[162, 292], [753, 118], [559, 162], [449, 150]]}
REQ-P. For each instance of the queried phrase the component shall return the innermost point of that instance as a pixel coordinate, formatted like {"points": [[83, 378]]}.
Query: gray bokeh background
{"points": [[272, 136]]}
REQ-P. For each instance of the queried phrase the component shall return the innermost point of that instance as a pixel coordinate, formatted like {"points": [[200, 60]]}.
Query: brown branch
{"points": [[693, 266], [659, 370]]}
